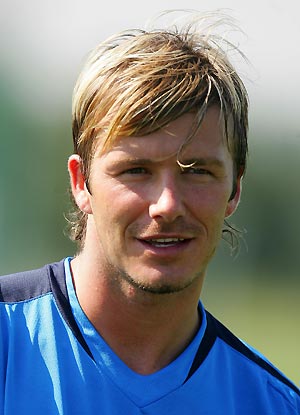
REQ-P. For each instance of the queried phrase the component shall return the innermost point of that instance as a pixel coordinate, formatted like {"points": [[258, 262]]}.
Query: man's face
{"points": [[158, 224]]}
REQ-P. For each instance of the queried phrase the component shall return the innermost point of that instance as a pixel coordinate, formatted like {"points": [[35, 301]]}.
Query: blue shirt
{"points": [[53, 361]]}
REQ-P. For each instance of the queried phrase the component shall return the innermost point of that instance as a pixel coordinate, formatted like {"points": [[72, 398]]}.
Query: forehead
{"points": [[170, 141]]}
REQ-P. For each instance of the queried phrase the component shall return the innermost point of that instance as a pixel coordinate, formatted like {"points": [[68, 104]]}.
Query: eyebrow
{"points": [[212, 161], [203, 161]]}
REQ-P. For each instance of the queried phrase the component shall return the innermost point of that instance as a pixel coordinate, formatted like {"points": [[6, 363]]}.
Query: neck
{"points": [[147, 331]]}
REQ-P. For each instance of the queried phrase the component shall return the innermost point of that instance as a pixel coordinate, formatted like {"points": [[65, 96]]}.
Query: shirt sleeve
{"points": [[3, 354]]}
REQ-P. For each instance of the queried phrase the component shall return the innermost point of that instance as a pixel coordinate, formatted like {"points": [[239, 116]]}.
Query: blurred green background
{"points": [[256, 294]]}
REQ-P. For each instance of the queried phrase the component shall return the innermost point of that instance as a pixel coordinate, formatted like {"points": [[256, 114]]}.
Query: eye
{"points": [[196, 170], [136, 170]]}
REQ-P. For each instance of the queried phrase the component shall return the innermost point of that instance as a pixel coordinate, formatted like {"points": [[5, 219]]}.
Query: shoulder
{"points": [[249, 361], [17, 290], [31, 284]]}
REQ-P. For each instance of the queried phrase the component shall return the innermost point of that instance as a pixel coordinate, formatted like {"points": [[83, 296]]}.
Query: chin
{"points": [[162, 285]]}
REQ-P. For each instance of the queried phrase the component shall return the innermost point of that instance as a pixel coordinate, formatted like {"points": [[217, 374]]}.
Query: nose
{"points": [[167, 201]]}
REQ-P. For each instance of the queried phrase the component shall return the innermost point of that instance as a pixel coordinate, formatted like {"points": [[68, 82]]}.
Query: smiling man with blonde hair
{"points": [[160, 121]]}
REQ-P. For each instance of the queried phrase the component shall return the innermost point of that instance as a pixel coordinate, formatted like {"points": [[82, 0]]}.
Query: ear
{"points": [[235, 199], [78, 185]]}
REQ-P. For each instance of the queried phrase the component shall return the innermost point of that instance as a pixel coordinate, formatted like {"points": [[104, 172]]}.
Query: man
{"points": [[160, 136]]}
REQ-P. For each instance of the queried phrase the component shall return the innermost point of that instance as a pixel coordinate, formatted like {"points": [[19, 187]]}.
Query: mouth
{"points": [[165, 242]]}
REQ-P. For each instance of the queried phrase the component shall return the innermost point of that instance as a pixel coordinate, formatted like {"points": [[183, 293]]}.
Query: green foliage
{"points": [[264, 315], [34, 183], [253, 293]]}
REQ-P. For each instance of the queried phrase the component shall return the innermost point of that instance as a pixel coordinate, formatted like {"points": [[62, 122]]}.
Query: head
{"points": [[138, 81]]}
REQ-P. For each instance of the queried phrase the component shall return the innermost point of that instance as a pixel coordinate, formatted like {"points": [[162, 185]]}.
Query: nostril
{"points": [[168, 205]]}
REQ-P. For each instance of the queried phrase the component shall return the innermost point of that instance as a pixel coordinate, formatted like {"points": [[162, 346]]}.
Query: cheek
{"points": [[209, 202], [118, 206]]}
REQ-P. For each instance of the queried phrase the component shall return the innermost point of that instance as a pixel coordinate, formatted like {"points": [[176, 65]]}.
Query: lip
{"points": [[165, 236], [169, 249]]}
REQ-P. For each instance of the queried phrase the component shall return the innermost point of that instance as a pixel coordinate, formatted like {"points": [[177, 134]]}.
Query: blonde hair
{"points": [[138, 81]]}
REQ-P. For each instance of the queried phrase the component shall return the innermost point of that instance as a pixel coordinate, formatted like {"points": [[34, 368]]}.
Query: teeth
{"points": [[167, 240], [160, 242]]}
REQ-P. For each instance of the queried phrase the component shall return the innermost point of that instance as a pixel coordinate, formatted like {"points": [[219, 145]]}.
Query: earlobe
{"points": [[78, 186], [235, 198]]}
